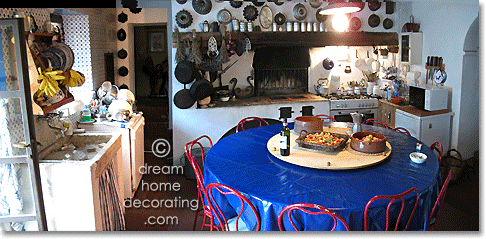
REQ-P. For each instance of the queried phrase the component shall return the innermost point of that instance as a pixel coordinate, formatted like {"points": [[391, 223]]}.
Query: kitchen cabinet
{"points": [[386, 113], [428, 128], [81, 195], [411, 48], [132, 148]]}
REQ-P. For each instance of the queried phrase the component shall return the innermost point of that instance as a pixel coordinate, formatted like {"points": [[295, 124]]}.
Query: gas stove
{"points": [[353, 101]]}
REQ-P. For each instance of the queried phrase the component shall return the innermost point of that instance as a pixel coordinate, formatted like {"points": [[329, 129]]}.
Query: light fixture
{"points": [[342, 7], [340, 22]]}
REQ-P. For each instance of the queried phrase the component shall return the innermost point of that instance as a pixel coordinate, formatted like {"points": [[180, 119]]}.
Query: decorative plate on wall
{"points": [[250, 13], [183, 18], [300, 12], [202, 7], [122, 54], [121, 34], [122, 17], [123, 71]]}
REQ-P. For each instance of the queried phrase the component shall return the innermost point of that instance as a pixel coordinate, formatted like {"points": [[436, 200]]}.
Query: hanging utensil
{"points": [[368, 60], [183, 99], [213, 47], [247, 45], [202, 7], [300, 12], [359, 62]]}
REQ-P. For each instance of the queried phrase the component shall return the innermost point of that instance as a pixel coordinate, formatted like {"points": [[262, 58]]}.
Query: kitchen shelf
{"points": [[302, 39]]}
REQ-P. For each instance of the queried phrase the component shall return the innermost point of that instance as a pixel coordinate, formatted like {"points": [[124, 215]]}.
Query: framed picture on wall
{"points": [[157, 41]]}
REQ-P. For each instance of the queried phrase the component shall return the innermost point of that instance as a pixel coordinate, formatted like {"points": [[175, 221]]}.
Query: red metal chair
{"points": [[304, 208], [248, 120], [440, 199], [392, 199], [206, 211], [402, 130], [225, 190], [438, 147], [327, 117], [376, 121]]}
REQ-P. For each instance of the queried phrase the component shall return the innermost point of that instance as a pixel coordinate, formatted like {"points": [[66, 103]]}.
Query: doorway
{"points": [[151, 82]]}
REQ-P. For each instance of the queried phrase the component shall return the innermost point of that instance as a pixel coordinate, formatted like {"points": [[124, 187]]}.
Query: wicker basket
{"points": [[320, 147]]}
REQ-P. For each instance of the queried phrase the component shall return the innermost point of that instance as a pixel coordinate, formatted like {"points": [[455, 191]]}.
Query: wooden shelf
{"points": [[302, 39]]}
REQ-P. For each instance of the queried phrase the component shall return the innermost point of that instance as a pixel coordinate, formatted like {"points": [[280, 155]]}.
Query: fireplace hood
{"points": [[276, 58]]}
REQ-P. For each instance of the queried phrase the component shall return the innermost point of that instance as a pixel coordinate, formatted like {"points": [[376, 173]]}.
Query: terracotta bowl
{"points": [[308, 123], [359, 145]]}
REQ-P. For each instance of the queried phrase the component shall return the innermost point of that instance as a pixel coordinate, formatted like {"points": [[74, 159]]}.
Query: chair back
{"points": [[227, 191], [195, 165], [239, 126], [304, 207], [438, 147], [393, 198], [402, 130], [434, 214], [376, 121], [326, 117]]}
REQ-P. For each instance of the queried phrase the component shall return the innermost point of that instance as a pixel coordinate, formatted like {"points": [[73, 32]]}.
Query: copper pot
{"points": [[412, 26]]}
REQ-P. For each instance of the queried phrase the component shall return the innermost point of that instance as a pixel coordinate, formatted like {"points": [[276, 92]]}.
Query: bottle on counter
{"points": [[285, 139], [86, 114]]}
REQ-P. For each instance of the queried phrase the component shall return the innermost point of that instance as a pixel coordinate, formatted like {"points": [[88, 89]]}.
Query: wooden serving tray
{"points": [[339, 160]]}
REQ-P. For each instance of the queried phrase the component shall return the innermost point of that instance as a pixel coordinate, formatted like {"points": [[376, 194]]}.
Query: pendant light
{"points": [[342, 8]]}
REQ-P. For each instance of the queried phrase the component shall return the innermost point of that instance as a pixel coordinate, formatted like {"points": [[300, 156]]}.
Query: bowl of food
{"points": [[322, 141], [368, 142], [418, 157], [308, 123]]}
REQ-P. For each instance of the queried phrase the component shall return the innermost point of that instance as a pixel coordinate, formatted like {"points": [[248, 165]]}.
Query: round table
{"points": [[243, 162]]}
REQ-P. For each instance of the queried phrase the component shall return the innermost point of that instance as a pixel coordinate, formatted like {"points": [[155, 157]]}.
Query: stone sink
{"points": [[77, 147]]}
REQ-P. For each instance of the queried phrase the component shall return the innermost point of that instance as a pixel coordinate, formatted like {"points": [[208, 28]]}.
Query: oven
{"points": [[341, 109], [344, 115]]}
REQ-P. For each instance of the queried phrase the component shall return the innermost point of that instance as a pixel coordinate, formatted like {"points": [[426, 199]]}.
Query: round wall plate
{"points": [[224, 16], [300, 12], [266, 17], [121, 34]]}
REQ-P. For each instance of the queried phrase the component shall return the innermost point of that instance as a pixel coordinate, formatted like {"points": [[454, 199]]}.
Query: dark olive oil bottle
{"points": [[285, 139]]}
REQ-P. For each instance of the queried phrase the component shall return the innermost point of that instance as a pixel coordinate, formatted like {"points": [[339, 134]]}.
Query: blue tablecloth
{"points": [[243, 162]]}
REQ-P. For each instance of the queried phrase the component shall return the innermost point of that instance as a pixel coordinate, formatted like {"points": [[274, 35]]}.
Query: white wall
{"points": [[444, 26]]}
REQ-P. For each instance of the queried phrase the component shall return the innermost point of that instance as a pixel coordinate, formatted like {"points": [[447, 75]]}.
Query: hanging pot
{"points": [[183, 99], [328, 64], [185, 72], [202, 7], [412, 26], [201, 88], [374, 20]]}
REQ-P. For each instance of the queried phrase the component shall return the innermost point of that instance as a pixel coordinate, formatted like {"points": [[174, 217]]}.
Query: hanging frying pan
{"points": [[185, 72], [183, 99], [355, 23], [374, 20], [328, 64], [374, 5], [121, 34], [387, 23], [201, 88], [202, 7]]}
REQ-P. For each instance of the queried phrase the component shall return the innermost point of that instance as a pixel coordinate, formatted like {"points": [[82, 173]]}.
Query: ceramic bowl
{"points": [[308, 123], [418, 157], [357, 143]]}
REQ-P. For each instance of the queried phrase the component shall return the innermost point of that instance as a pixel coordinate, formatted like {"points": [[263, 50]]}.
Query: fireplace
{"points": [[281, 70]]}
